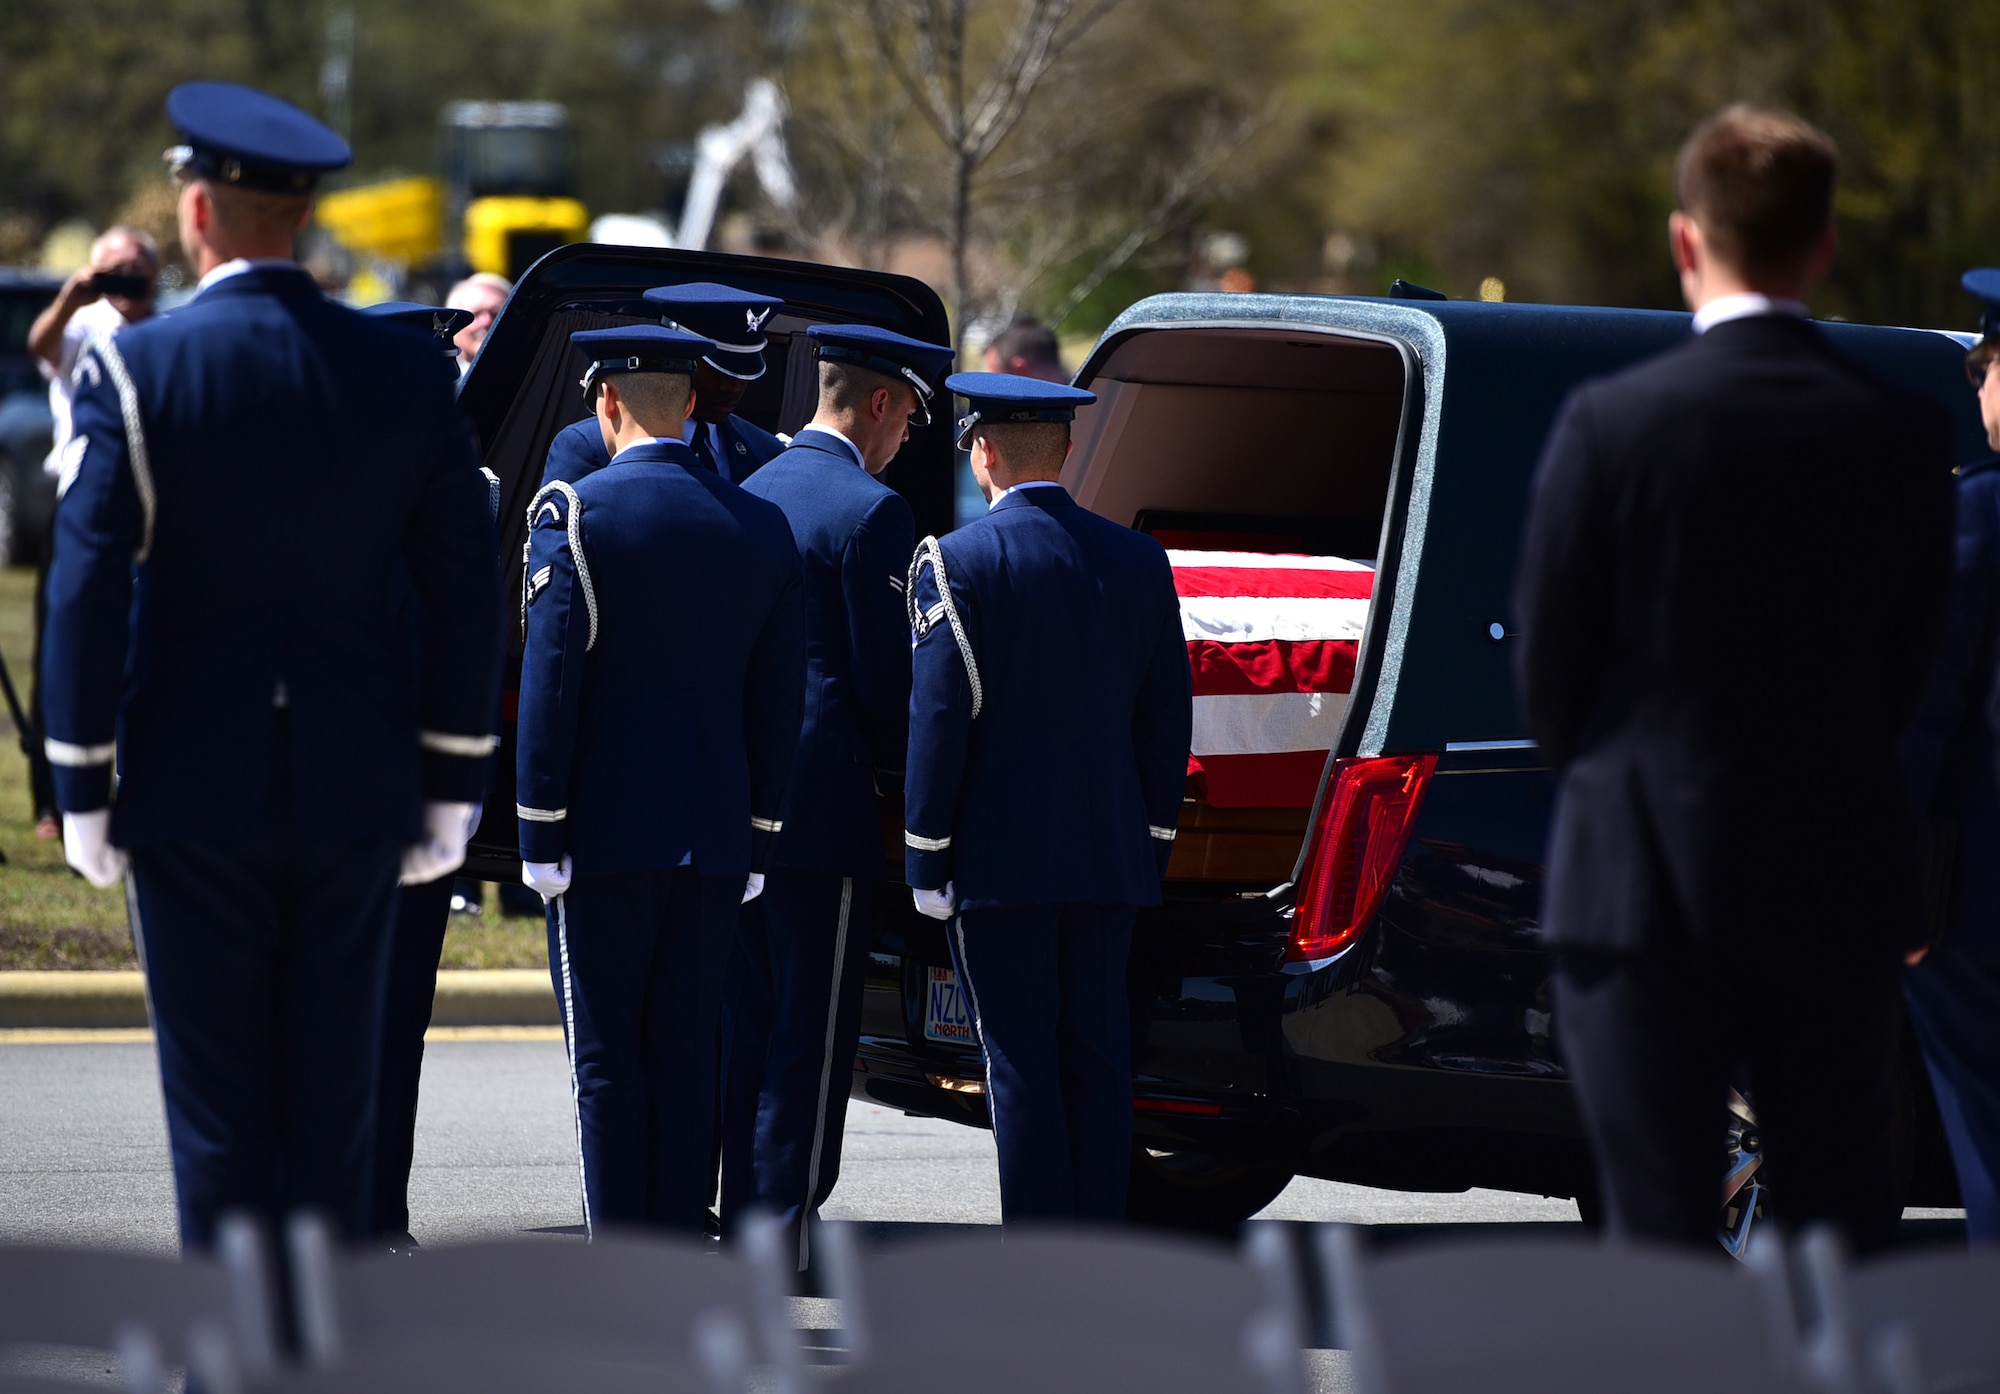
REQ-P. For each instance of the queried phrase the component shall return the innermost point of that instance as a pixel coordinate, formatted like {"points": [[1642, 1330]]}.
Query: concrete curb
{"points": [[90, 1000]]}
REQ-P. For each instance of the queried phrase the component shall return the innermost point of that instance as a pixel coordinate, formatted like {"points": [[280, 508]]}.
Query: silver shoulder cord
{"points": [[135, 439], [575, 550], [931, 554]]}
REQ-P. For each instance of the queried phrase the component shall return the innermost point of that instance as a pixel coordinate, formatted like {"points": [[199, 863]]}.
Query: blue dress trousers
{"points": [[793, 1008], [1050, 716], [660, 697], [265, 475]]}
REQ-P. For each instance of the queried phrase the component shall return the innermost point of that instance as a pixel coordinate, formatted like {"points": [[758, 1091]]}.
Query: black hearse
{"points": [[1353, 991]]}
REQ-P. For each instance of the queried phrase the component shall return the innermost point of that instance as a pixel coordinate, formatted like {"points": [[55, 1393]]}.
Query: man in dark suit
{"points": [[266, 476], [1732, 580], [1050, 714], [721, 440], [661, 687], [792, 1016]]}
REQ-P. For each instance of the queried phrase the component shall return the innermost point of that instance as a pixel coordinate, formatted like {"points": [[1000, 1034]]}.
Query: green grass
{"points": [[52, 918], [49, 916]]}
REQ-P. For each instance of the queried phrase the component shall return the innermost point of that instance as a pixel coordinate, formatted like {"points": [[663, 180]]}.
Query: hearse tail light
{"points": [[1357, 842]]}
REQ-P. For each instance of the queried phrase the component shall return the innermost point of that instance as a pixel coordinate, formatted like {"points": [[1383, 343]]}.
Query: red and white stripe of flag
{"points": [[1272, 640]]}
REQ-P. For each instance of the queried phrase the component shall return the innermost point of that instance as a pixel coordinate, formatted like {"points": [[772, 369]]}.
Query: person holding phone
{"points": [[111, 290]]}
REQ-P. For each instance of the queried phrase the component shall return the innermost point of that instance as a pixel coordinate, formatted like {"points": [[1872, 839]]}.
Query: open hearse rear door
{"points": [[522, 390]]}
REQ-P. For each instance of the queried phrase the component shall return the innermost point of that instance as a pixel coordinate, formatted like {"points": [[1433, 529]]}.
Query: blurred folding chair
{"points": [[450, 1369], [1550, 1316], [141, 1305], [1910, 1323], [620, 1301], [1058, 1309]]}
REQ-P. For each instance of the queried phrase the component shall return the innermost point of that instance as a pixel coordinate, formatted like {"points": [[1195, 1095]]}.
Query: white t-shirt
{"points": [[98, 317]]}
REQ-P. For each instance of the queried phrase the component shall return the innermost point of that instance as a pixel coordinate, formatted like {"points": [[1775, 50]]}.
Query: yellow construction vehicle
{"points": [[506, 192]]}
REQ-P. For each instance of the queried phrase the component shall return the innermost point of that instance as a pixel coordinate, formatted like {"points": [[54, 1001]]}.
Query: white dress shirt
{"points": [[238, 266], [1724, 308], [1026, 484], [859, 459]]}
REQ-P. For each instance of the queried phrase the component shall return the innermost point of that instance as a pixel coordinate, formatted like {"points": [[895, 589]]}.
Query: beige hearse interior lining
{"points": [[1240, 422]]}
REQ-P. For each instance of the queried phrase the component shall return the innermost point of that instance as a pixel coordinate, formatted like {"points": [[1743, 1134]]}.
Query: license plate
{"points": [[947, 1015]]}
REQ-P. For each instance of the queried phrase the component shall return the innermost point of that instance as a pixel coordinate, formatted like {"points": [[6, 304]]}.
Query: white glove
{"points": [[546, 879], [937, 904], [753, 886], [447, 828], [87, 847]]}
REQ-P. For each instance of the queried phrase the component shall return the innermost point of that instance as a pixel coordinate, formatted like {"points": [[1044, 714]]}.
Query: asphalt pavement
{"points": [[83, 1156], [83, 1160]]}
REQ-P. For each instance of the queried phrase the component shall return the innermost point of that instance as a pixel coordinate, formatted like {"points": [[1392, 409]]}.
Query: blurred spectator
{"points": [[483, 293], [1953, 987], [1732, 867], [113, 289], [1027, 348]]}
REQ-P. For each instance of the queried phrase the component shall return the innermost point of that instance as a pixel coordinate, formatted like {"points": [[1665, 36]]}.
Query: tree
{"points": [[1045, 144]]}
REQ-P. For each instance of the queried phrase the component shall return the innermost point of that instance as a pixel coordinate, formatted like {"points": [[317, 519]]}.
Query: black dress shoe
{"points": [[403, 1245]]}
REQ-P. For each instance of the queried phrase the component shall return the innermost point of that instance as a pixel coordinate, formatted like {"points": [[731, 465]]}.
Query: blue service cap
{"points": [[733, 318], [439, 323], [886, 352], [1983, 284], [238, 135], [1008, 399], [639, 348]]}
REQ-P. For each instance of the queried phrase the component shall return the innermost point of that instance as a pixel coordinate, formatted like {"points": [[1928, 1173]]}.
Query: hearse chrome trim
{"points": [[1452, 747]]}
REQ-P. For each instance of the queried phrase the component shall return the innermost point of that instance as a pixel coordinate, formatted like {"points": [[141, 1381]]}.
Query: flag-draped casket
{"points": [[1272, 641]]}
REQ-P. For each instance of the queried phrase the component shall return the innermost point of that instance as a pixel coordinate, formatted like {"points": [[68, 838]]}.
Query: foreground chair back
{"points": [[620, 1300], [146, 1305], [1551, 1315], [1044, 1307], [1909, 1323]]}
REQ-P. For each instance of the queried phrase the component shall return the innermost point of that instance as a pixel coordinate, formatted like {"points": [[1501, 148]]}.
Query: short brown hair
{"points": [[257, 215], [657, 401], [848, 386], [1760, 184], [1032, 447]]}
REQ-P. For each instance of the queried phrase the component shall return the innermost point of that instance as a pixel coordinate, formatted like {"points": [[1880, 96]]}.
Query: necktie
{"points": [[703, 450]]}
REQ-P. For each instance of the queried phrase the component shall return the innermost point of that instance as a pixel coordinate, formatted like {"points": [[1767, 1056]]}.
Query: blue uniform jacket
{"points": [[664, 669], [578, 449], [855, 536], [1948, 752], [1049, 726], [266, 477]]}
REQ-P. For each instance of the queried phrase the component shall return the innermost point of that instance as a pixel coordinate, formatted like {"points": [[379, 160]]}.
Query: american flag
{"points": [[1272, 641]]}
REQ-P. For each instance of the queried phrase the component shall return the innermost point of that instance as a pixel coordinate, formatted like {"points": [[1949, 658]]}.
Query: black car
{"points": [[27, 494], [1353, 991]]}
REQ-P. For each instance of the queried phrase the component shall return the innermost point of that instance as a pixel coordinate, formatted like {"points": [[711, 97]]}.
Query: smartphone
{"points": [[121, 283]]}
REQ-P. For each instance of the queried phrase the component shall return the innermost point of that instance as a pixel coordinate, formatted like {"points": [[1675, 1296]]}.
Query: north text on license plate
{"points": [[947, 1014]]}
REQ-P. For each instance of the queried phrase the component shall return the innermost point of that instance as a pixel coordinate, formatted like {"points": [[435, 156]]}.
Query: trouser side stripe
{"points": [[569, 1023], [825, 1070], [978, 1028]]}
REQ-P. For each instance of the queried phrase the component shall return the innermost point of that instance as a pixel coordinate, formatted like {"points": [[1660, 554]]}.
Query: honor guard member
{"points": [[1049, 724], [722, 441], [265, 475], [792, 1015], [660, 701], [1953, 989], [422, 911]]}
